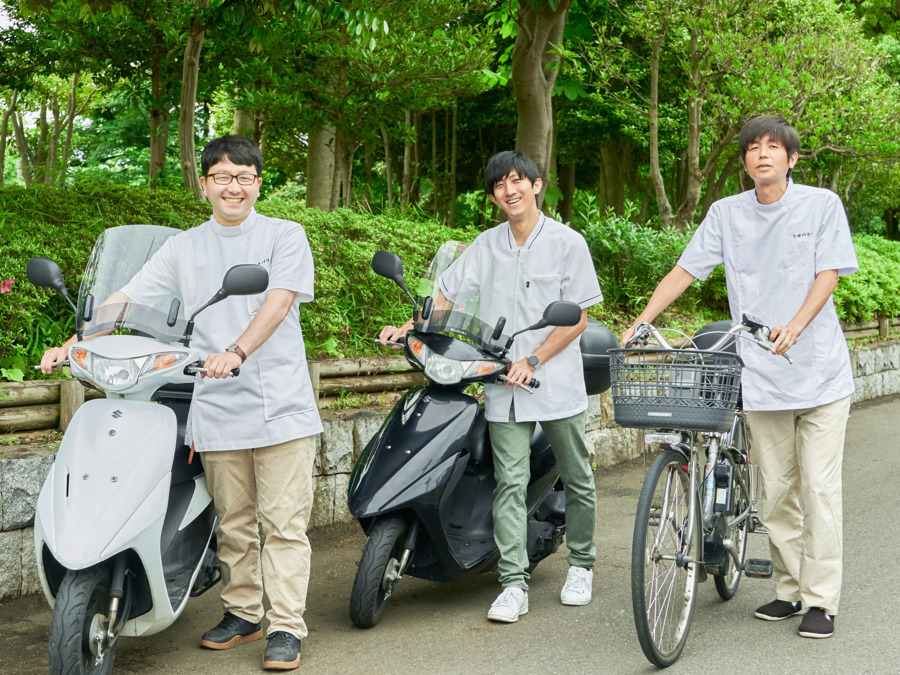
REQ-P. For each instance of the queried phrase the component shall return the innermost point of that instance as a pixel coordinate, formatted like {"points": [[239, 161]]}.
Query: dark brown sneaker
{"points": [[231, 632], [777, 610], [817, 624], [282, 651]]}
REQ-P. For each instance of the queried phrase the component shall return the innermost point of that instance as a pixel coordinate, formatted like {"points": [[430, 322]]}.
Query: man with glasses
{"points": [[255, 433]]}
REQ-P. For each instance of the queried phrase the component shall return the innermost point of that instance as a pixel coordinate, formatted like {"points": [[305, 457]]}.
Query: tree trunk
{"points": [[159, 124], [687, 207], [347, 177], [387, 166], [612, 186], [25, 166], [454, 144], [406, 178], [567, 186], [368, 161], [416, 186], [70, 125], [892, 220], [714, 189], [4, 133], [243, 123], [534, 71], [656, 178], [336, 172], [187, 151], [434, 180], [319, 168], [39, 162]]}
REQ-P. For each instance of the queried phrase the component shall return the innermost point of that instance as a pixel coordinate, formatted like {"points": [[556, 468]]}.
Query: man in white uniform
{"points": [[256, 433], [519, 268], [784, 247]]}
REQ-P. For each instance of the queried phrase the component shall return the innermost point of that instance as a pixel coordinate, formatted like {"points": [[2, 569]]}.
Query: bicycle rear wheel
{"points": [[727, 583], [663, 593]]}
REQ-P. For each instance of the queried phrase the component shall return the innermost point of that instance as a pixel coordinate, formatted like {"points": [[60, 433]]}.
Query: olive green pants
{"points": [[511, 443]]}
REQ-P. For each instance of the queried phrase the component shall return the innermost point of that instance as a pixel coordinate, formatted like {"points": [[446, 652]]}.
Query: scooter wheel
{"points": [[82, 600], [378, 571]]}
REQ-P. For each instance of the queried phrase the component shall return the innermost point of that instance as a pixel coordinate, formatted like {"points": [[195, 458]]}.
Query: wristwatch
{"points": [[533, 361], [233, 347]]}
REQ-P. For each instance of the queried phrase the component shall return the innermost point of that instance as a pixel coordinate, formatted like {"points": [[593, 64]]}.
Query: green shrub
{"points": [[875, 289]]}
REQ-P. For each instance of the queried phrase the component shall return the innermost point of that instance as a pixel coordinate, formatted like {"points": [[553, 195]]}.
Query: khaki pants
{"points": [[511, 445], [276, 482], [800, 454]]}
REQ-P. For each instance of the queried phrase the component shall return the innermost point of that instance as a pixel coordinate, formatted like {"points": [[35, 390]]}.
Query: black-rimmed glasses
{"points": [[226, 178]]}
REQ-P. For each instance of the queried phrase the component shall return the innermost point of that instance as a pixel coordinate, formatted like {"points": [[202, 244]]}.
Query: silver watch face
{"points": [[231, 347], [533, 361]]}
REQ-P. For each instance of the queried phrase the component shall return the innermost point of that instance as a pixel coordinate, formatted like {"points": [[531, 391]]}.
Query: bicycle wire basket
{"points": [[674, 388]]}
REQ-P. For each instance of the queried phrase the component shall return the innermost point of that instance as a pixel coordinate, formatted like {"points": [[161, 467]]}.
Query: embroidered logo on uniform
{"points": [[802, 235], [264, 262]]}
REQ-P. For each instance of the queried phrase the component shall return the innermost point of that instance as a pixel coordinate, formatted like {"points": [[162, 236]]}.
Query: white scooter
{"points": [[124, 526]]}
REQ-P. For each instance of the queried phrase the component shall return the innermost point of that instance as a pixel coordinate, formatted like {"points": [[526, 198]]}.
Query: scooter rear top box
{"points": [[596, 341]]}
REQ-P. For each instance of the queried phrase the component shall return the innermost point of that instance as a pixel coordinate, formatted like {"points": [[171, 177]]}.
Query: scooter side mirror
{"points": [[388, 265], [244, 280], [44, 272], [562, 313]]}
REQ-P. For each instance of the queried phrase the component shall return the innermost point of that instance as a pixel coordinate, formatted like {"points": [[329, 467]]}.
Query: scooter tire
{"points": [[82, 594], [369, 597]]}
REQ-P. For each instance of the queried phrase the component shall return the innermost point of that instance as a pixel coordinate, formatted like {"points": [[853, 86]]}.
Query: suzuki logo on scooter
{"points": [[117, 414]]}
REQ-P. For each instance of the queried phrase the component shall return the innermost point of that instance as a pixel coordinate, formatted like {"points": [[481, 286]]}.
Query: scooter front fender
{"points": [[109, 481], [411, 458]]}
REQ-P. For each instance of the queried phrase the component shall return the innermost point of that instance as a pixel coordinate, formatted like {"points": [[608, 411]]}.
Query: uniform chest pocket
{"points": [[800, 261], [542, 290]]}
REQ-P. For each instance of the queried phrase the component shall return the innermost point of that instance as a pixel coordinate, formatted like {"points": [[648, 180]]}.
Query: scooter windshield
{"points": [[457, 320], [120, 253]]}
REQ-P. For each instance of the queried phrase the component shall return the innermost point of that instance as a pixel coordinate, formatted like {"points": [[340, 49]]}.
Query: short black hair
{"points": [[500, 165], [775, 127], [235, 148]]}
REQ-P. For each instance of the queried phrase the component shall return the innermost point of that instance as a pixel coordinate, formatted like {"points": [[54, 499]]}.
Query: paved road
{"points": [[439, 628]]}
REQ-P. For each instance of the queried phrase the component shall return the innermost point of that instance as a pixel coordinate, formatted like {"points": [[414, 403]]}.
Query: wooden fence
{"points": [[50, 404]]}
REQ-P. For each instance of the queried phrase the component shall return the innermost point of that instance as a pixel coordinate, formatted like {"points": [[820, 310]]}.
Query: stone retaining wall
{"points": [[876, 369]]}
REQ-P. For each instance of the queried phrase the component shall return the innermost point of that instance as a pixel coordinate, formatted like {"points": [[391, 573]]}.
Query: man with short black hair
{"points": [[255, 433], [784, 246], [519, 268]]}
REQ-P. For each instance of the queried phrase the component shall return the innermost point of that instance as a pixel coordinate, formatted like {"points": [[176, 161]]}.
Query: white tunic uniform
{"points": [[272, 400], [519, 283], [772, 254]]}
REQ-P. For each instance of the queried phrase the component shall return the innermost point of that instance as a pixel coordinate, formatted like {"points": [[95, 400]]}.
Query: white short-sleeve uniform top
{"points": [[272, 400], [772, 254], [519, 283]]}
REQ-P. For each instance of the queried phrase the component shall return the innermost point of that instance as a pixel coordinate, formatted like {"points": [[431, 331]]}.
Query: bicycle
{"points": [[688, 526]]}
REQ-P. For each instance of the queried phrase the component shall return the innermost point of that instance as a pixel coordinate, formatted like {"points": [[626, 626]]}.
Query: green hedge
{"points": [[351, 302]]}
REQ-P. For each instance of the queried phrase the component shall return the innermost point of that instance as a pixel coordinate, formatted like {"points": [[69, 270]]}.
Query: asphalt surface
{"points": [[441, 628]]}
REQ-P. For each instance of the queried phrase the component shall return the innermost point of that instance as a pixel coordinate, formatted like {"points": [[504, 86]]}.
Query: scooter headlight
{"points": [[115, 374], [450, 371]]}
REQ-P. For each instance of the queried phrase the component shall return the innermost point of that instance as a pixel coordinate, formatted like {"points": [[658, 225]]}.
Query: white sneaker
{"points": [[509, 605], [577, 590]]}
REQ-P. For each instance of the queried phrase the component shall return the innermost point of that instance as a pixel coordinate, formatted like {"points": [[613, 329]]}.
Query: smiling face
{"points": [[230, 203], [516, 196], [767, 161]]}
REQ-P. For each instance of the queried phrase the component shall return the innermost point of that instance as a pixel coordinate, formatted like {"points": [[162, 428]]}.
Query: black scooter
{"points": [[422, 489]]}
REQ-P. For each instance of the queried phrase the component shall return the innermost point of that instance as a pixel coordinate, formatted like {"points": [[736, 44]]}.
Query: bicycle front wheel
{"points": [[663, 593]]}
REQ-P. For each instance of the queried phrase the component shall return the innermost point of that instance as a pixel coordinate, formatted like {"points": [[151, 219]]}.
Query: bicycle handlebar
{"points": [[758, 333]]}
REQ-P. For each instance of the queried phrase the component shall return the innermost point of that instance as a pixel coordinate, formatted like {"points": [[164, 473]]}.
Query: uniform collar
{"points": [[538, 228], [235, 230]]}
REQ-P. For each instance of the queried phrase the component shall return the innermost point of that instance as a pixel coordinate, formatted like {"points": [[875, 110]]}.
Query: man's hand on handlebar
{"points": [[52, 356], [519, 373], [393, 334], [221, 364], [783, 338]]}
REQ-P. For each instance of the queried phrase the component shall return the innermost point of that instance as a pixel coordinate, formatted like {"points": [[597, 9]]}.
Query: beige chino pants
{"points": [[800, 454], [276, 482]]}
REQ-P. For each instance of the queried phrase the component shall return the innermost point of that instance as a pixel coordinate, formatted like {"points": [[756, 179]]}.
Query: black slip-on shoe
{"points": [[231, 632], [777, 610], [817, 624]]}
